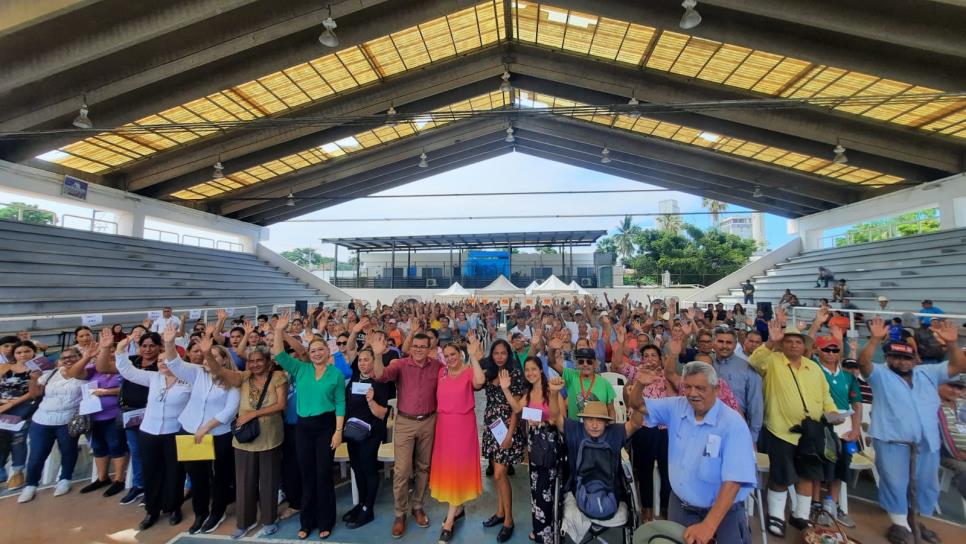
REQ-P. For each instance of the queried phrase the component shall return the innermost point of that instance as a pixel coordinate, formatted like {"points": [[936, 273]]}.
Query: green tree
{"points": [[671, 223], [605, 245], [305, 257], [624, 238], [28, 213], [716, 207], [906, 224], [692, 256], [547, 250]]}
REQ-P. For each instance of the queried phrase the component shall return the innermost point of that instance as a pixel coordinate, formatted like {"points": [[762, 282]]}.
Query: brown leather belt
{"points": [[416, 418]]}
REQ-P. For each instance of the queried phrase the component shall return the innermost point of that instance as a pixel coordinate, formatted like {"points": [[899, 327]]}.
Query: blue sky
{"points": [[508, 173]]}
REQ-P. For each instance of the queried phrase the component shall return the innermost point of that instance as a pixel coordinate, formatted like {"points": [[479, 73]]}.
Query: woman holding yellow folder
{"points": [[210, 410], [320, 404]]}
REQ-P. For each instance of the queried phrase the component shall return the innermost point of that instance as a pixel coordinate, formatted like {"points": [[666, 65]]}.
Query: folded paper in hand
{"points": [[188, 450]]}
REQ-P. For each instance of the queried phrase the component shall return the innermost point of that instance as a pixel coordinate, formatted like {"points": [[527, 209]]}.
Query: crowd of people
{"points": [[702, 392]]}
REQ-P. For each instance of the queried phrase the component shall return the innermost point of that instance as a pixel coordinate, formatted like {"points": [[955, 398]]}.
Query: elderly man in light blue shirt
{"points": [[712, 457], [745, 382], [906, 415]]}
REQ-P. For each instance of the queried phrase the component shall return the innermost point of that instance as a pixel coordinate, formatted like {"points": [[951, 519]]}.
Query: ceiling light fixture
{"points": [[605, 155], [82, 120], [218, 171], [509, 135], [290, 199], [839, 157], [423, 162], [757, 193], [505, 86], [391, 116], [633, 113], [691, 17], [328, 37]]}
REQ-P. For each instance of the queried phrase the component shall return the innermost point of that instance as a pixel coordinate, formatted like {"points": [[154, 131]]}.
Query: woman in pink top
{"points": [[543, 442]]}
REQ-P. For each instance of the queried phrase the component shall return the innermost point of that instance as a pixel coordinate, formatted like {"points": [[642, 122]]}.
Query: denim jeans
{"points": [[134, 447], [14, 445], [42, 438]]}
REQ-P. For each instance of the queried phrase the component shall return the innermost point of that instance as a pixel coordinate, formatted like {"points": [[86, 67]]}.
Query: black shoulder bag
{"points": [[817, 438], [250, 430]]}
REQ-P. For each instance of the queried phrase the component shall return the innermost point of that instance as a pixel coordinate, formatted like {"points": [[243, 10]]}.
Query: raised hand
{"points": [[837, 332], [676, 345], [378, 344], [121, 346], [106, 338], [282, 323], [170, 333], [781, 316], [475, 347], [249, 327], [822, 315], [222, 314], [947, 330], [645, 376], [205, 344], [878, 329], [775, 331], [505, 380], [555, 384]]}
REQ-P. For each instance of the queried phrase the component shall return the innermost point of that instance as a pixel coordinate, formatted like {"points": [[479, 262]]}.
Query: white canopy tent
{"points": [[580, 290], [553, 286], [533, 285], [455, 291], [500, 286]]}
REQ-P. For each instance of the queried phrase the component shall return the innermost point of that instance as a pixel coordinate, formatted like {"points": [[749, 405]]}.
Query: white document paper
{"points": [[90, 320], [194, 314], [154, 315], [359, 388], [90, 403], [40, 364], [499, 430], [133, 418], [11, 423], [532, 414]]}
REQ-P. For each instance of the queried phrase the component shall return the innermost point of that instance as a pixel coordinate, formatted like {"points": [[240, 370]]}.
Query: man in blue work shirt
{"points": [[713, 458], [744, 381], [907, 413]]}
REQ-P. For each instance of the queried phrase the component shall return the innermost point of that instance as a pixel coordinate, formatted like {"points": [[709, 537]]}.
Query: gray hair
{"points": [[698, 367]]}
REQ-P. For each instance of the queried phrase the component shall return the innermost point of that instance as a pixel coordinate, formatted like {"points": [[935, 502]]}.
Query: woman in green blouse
{"points": [[320, 404]]}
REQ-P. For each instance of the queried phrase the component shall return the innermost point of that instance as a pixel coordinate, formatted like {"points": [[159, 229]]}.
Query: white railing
{"points": [[794, 312], [191, 240], [90, 224], [873, 233]]}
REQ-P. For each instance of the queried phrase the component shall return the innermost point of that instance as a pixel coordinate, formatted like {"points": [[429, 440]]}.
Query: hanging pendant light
{"points": [[391, 120], [82, 120], [509, 135], [691, 17], [839, 157], [328, 37], [218, 171], [505, 86], [605, 156], [757, 193], [423, 160], [633, 113], [290, 199]]}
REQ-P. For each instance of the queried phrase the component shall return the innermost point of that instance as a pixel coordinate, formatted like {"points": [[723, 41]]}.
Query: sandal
{"points": [[776, 526], [324, 536], [929, 535], [898, 535], [302, 534]]}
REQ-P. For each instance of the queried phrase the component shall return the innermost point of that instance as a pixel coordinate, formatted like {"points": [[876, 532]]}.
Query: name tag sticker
{"points": [[713, 447], [359, 388], [532, 414]]}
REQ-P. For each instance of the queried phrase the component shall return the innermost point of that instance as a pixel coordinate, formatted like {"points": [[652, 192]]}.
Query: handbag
{"points": [[818, 439], [79, 425], [356, 430], [249, 431]]}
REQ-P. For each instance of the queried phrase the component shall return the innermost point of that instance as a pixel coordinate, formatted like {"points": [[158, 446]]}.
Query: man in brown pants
{"points": [[416, 377]]}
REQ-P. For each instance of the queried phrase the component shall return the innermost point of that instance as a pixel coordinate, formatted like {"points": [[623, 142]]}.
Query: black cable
{"points": [[473, 218], [445, 195]]}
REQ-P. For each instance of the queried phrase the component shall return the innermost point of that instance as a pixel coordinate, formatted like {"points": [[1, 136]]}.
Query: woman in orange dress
{"points": [[454, 476]]}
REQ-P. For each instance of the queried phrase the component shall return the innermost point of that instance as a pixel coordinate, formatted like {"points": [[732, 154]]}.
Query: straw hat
{"points": [[595, 409]]}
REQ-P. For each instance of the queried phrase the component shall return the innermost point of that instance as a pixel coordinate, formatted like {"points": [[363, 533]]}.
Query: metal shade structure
{"points": [[578, 238]]}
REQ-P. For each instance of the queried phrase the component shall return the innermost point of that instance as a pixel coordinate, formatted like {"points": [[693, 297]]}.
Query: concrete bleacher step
{"points": [[108, 292], [858, 287], [868, 271], [875, 259], [58, 254], [116, 279], [109, 269]]}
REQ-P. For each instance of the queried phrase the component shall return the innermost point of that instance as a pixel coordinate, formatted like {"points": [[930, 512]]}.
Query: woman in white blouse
{"points": [[211, 408], [167, 397], [61, 391]]}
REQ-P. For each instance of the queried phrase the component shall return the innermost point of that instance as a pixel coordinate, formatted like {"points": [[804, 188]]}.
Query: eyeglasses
{"points": [[341, 343], [830, 350], [585, 361]]}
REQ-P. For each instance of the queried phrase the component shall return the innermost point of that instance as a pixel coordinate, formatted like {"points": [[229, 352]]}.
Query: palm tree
{"points": [[716, 207], [624, 238], [670, 222]]}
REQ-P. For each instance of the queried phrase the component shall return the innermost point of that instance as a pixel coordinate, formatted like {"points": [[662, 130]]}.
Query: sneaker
{"points": [[196, 525], [94, 486], [844, 519], [240, 532], [115, 488], [133, 494], [63, 487], [268, 530], [28, 494], [15, 481], [212, 523], [821, 516]]}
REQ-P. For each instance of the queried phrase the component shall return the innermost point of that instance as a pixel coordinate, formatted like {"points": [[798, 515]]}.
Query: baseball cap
{"points": [[825, 341], [585, 353], [927, 301], [899, 349]]}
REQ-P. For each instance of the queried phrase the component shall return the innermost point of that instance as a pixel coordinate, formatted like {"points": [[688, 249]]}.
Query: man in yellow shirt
{"points": [[795, 388]]}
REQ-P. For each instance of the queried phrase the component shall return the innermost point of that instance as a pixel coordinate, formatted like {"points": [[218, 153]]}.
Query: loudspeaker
{"points": [[302, 306], [765, 308]]}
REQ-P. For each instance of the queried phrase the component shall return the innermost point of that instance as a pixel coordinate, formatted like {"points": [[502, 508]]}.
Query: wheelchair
{"points": [[596, 533]]}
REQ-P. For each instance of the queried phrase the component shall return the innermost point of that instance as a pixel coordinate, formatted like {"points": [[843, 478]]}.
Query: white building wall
{"points": [[131, 210], [948, 195]]}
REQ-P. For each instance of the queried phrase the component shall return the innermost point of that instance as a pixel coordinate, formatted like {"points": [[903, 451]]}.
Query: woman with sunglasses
{"points": [[166, 398], [60, 391]]}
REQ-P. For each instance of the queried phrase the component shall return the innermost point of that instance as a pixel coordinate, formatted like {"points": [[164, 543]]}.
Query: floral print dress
{"points": [[498, 408]]}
